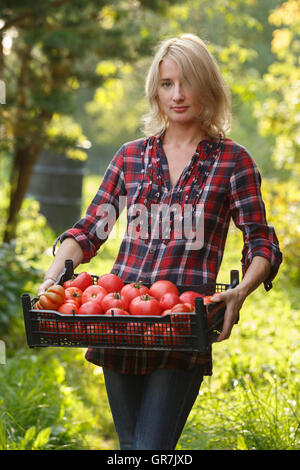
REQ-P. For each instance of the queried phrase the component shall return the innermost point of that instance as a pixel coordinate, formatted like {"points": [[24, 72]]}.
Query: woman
{"points": [[185, 160]]}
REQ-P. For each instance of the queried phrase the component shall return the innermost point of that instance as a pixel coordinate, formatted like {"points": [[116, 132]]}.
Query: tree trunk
{"points": [[22, 168], [25, 153]]}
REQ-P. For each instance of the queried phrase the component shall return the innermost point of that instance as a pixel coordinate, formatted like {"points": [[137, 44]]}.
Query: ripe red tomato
{"points": [[189, 297], [112, 335], [166, 312], [91, 308], [176, 338], [145, 305], [70, 331], [82, 281], [111, 282], [134, 289], [186, 307], [72, 301], [94, 333], [115, 311], [93, 293], [38, 306], [69, 308], [168, 300], [181, 325], [207, 300], [67, 284], [46, 326], [160, 334], [168, 334], [114, 300], [134, 334], [52, 298], [161, 287], [150, 337], [73, 293]]}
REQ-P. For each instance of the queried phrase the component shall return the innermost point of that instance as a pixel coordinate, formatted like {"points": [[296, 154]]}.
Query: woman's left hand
{"points": [[234, 299], [257, 272]]}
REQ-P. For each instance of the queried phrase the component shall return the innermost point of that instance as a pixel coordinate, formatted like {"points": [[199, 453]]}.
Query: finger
{"points": [[227, 326], [225, 334], [217, 298], [44, 286], [41, 290]]}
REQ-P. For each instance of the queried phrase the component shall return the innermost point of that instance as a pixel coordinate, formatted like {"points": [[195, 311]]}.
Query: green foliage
{"points": [[48, 54], [282, 200], [53, 50], [249, 417], [279, 112], [52, 398], [20, 268], [15, 276], [239, 35], [41, 410]]}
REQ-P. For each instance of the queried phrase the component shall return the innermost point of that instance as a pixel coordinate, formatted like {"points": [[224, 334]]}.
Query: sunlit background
{"points": [[73, 75]]}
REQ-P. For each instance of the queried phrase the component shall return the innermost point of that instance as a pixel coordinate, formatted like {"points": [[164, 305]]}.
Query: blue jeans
{"points": [[150, 411]]}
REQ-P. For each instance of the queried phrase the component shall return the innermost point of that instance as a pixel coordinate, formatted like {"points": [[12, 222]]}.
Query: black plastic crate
{"points": [[181, 331]]}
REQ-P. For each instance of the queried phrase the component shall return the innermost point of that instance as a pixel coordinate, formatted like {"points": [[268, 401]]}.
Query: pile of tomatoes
{"points": [[110, 296], [81, 296]]}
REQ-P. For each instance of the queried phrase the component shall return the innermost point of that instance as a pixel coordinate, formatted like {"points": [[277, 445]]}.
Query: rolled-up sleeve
{"points": [[248, 213], [93, 229]]}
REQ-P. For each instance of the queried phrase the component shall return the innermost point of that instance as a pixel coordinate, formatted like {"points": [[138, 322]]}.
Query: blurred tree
{"points": [[279, 114], [239, 35], [48, 51]]}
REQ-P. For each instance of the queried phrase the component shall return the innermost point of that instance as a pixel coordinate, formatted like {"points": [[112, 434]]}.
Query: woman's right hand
{"points": [[45, 285]]}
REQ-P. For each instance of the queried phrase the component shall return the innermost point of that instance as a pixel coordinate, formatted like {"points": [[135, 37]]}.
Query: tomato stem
{"points": [[146, 297]]}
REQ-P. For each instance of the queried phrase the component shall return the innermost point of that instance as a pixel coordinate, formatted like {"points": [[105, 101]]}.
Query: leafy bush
{"points": [[34, 399], [282, 199], [16, 275]]}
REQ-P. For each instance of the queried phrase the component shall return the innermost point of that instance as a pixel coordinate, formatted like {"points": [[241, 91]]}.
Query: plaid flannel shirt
{"points": [[224, 180]]}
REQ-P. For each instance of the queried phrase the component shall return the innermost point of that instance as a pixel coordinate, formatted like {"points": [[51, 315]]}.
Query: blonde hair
{"points": [[198, 69]]}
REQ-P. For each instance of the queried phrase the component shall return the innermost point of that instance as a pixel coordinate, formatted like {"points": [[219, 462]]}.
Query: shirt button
{"points": [[151, 250]]}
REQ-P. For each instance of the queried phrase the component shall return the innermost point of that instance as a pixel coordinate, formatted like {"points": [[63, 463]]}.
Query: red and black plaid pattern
{"points": [[225, 180]]}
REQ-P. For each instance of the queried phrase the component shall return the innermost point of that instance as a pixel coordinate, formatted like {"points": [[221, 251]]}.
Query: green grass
{"points": [[53, 399], [250, 416]]}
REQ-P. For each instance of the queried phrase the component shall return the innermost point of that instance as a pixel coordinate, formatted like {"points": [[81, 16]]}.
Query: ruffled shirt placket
{"points": [[155, 188]]}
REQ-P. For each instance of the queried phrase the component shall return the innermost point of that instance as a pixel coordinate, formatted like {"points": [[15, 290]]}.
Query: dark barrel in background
{"points": [[56, 183]]}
